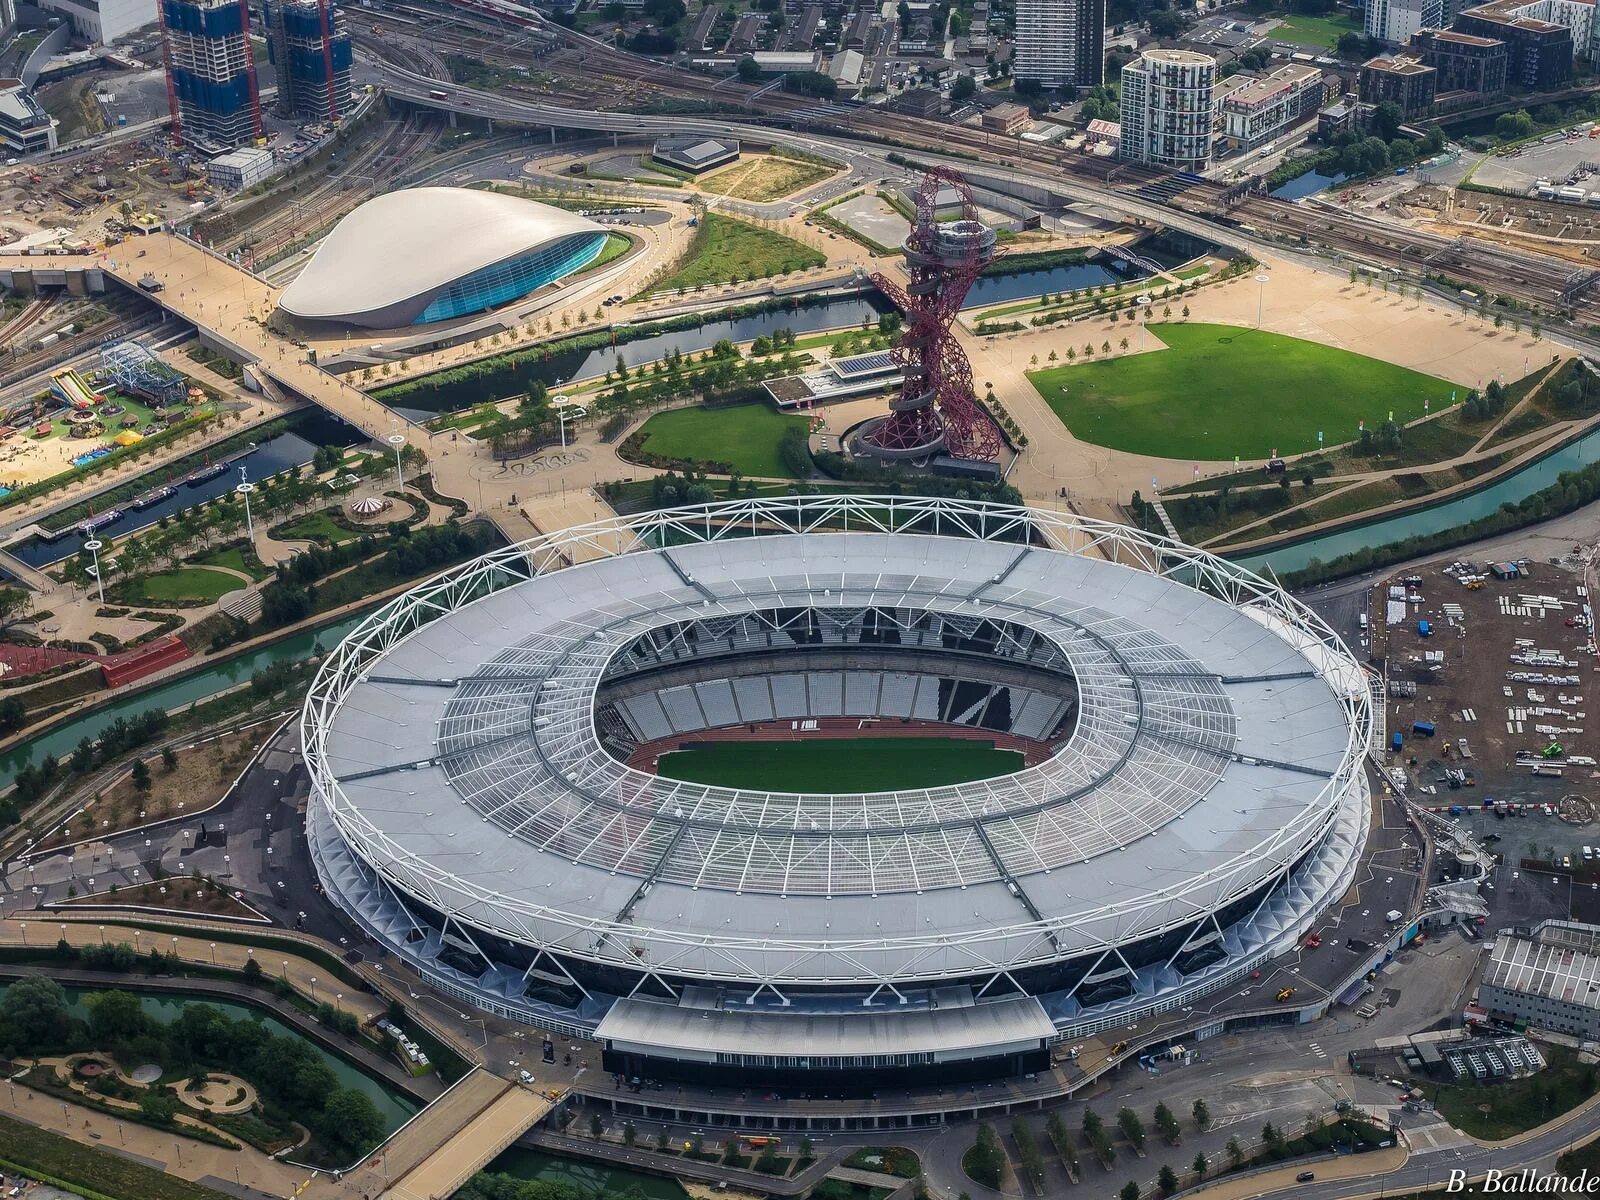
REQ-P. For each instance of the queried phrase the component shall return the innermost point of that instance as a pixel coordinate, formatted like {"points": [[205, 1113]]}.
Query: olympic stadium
{"points": [[430, 254], [1188, 793]]}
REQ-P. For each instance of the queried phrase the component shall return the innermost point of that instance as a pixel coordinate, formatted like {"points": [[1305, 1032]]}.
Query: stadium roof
{"points": [[1212, 745], [405, 245]]}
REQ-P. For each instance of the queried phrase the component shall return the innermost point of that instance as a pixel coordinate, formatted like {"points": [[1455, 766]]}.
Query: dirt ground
{"points": [[201, 777], [1468, 695]]}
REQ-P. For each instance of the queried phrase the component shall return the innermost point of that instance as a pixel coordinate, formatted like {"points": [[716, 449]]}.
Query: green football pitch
{"points": [[840, 764], [1218, 391]]}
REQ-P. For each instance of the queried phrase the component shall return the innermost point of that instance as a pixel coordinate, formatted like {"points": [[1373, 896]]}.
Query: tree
{"points": [[749, 70], [629, 1134], [1200, 1165], [351, 1119], [1387, 119], [34, 1015], [1167, 1180], [964, 88], [115, 1017], [140, 776], [16, 605], [1092, 1123], [1201, 1114], [158, 1107], [1130, 1191], [1132, 1127], [1166, 1123], [1235, 1151], [986, 1160], [169, 759], [1510, 127], [596, 1126]]}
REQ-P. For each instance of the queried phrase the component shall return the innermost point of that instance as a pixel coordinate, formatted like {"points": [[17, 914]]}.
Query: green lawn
{"points": [[185, 583], [728, 250], [616, 246], [317, 527], [232, 557], [1313, 31], [1219, 391], [854, 765], [1517, 1105], [76, 1165], [745, 436]]}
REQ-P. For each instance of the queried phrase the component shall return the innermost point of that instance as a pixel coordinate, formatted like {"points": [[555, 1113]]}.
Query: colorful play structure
{"points": [[68, 386]]}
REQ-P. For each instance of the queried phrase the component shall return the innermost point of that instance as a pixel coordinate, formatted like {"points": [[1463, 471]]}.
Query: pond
{"points": [[993, 289], [395, 1106], [1308, 184]]}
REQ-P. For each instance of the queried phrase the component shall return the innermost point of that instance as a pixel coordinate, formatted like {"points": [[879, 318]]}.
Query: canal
{"points": [[1448, 515], [292, 448], [592, 1178], [200, 685], [395, 1106]]}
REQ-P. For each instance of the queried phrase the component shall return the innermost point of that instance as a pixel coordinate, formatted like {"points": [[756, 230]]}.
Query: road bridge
{"points": [[459, 1134]]}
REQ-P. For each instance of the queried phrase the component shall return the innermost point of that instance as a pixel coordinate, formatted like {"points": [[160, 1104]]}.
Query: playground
{"points": [[88, 415]]}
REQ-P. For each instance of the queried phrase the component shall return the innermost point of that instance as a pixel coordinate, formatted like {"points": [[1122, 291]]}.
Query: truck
{"points": [[1422, 728], [1393, 915]]}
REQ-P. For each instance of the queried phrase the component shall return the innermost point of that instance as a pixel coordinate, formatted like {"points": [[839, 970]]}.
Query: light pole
{"points": [[244, 489], [397, 440], [1261, 296], [93, 547]]}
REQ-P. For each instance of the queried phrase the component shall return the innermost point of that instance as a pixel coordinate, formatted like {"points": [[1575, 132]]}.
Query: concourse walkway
{"points": [[458, 1135]]}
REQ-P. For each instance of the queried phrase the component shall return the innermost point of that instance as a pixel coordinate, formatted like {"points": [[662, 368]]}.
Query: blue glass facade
{"points": [[515, 277]]}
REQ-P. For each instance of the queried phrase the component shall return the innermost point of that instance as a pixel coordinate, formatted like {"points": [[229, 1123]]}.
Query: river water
{"points": [[1431, 520], [290, 449]]}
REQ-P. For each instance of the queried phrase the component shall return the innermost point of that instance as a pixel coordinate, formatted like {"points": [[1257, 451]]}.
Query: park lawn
{"points": [[1306, 30], [616, 246], [840, 765], [183, 584], [317, 527], [745, 436], [762, 179], [232, 557], [1218, 391], [729, 250]]}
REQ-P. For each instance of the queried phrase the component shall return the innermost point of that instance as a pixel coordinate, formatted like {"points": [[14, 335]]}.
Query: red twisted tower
{"points": [[935, 411]]}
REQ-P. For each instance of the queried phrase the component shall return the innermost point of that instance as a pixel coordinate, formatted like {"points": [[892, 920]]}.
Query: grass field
{"points": [[728, 250], [854, 765], [183, 584], [745, 436], [317, 527], [761, 179], [616, 246], [1219, 391], [1518, 1104], [233, 557], [1306, 30]]}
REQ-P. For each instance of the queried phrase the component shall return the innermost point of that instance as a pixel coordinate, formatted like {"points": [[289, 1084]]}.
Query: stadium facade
{"points": [[430, 254], [1192, 797]]}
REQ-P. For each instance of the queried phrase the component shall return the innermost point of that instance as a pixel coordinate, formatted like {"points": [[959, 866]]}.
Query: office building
{"points": [[1266, 107], [1394, 21], [310, 46], [1464, 62], [1060, 43], [1167, 109], [211, 77], [25, 127], [1007, 118], [1539, 52], [101, 21], [1548, 977], [1398, 79]]}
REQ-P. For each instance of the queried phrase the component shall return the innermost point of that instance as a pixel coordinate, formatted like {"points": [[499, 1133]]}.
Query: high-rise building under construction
{"points": [[211, 76], [311, 49]]}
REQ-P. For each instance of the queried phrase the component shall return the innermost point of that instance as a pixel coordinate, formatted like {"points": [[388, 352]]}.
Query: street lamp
{"points": [[244, 489], [1261, 296], [93, 547], [397, 440]]}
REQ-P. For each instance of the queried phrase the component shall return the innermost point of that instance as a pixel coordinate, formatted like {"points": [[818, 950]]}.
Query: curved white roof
{"points": [[407, 244]]}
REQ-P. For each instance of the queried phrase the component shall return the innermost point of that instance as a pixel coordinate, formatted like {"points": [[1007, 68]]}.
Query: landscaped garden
{"points": [[1219, 391], [725, 250]]}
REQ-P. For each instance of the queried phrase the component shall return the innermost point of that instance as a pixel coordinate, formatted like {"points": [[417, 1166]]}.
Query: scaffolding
{"points": [[135, 369]]}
